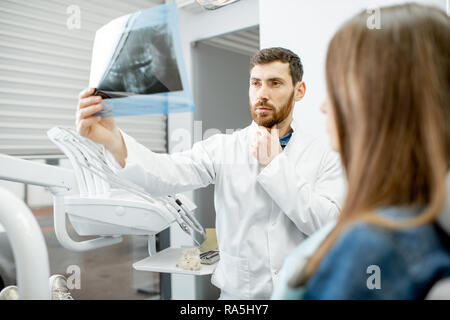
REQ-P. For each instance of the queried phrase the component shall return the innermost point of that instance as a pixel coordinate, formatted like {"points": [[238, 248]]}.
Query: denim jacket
{"points": [[371, 262]]}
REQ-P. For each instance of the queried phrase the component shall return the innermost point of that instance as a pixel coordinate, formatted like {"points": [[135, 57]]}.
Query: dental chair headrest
{"points": [[444, 217]]}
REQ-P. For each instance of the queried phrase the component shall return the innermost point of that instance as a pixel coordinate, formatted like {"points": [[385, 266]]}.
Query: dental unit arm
{"points": [[60, 182]]}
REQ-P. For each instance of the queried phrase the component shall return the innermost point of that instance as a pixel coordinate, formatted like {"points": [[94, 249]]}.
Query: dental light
{"points": [[215, 4]]}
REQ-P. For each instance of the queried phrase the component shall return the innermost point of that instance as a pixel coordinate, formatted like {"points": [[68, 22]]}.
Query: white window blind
{"points": [[44, 65]]}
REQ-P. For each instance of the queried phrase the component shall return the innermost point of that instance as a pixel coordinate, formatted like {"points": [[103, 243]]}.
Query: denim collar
{"points": [[401, 212], [284, 140]]}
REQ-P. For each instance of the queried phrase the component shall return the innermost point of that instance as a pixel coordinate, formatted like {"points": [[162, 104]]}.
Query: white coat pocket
{"points": [[232, 275]]}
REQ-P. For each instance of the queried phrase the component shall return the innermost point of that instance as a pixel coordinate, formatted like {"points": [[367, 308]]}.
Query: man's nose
{"points": [[263, 93]]}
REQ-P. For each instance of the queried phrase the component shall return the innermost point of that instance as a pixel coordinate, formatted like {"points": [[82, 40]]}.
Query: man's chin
{"points": [[268, 123]]}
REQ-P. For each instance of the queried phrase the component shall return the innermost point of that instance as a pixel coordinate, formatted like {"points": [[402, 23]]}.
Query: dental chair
{"points": [[109, 207], [104, 206], [441, 289]]}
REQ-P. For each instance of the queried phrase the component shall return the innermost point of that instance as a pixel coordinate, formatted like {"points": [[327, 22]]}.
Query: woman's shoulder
{"points": [[419, 251], [408, 242], [406, 260], [361, 239], [370, 233]]}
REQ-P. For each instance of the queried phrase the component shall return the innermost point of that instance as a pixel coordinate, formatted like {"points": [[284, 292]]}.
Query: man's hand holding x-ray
{"points": [[101, 130]]}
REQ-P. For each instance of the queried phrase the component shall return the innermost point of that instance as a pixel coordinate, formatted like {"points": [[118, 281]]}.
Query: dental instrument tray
{"points": [[166, 261]]}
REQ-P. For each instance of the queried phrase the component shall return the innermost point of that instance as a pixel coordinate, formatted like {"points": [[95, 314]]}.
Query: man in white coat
{"points": [[269, 194]]}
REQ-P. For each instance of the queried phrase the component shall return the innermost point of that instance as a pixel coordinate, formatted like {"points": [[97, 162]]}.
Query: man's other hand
{"points": [[266, 145]]}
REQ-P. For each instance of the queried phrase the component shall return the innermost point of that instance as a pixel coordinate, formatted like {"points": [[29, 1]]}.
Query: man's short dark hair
{"points": [[269, 55]]}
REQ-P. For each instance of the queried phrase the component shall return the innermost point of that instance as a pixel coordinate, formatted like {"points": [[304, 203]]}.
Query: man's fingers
{"points": [[274, 132], [253, 151], [265, 144], [86, 93], [263, 131], [262, 146], [86, 102], [84, 125], [88, 111]]}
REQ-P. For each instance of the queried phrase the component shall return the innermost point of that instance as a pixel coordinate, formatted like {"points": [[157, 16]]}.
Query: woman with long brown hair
{"points": [[389, 118]]}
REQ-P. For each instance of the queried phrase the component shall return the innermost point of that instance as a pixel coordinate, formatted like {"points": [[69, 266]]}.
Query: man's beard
{"points": [[275, 116]]}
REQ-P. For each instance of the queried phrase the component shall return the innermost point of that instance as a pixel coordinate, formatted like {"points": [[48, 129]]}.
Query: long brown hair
{"points": [[389, 90]]}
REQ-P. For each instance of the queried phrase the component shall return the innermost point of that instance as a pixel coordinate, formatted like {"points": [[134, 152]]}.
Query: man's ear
{"points": [[300, 90]]}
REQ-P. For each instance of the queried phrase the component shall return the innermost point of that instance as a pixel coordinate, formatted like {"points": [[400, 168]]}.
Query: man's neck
{"points": [[284, 127]]}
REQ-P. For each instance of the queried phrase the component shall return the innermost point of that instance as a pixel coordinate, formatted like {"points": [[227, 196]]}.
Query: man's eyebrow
{"points": [[270, 79], [277, 79]]}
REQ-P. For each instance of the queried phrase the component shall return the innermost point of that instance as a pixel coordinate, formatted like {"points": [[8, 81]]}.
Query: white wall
{"points": [[197, 26], [306, 27]]}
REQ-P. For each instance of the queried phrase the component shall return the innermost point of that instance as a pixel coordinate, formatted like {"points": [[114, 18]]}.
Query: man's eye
{"points": [[276, 83]]}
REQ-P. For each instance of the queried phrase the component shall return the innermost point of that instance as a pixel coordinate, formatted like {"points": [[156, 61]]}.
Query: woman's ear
{"points": [[300, 90]]}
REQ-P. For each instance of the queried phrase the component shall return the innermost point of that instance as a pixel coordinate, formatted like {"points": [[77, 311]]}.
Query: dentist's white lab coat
{"points": [[262, 213]]}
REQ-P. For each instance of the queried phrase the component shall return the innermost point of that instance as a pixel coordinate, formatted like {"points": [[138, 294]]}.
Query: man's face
{"points": [[271, 93]]}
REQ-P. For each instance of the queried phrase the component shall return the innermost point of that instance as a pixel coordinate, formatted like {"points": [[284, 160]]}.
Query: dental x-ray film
{"points": [[137, 65]]}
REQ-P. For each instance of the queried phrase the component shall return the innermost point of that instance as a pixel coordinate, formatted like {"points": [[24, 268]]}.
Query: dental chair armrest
{"points": [[440, 290]]}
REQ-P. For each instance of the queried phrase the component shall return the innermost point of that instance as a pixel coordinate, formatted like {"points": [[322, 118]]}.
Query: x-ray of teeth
{"points": [[137, 64], [146, 64]]}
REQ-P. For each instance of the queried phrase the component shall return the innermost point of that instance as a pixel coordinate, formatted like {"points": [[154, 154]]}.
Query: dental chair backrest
{"points": [[441, 290], [89, 184], [444, 217]]}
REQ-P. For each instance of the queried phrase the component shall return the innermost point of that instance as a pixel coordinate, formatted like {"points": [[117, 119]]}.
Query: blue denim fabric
{"points": [[284, 140], [410, 262]]}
